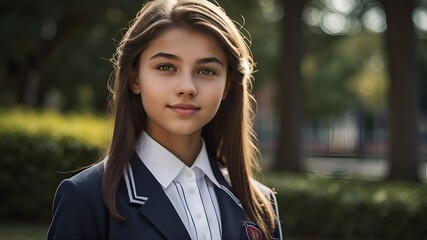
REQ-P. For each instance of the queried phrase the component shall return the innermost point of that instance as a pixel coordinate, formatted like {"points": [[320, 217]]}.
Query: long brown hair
{"points": [[229, 135]]}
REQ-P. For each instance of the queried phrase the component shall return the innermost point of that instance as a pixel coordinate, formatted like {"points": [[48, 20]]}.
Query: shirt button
{"points": [[191, 190], [199, 216], [189, 174]]}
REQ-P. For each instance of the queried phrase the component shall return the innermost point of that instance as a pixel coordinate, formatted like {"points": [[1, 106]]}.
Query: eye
{"points": [[206, 71], [166, 67]]}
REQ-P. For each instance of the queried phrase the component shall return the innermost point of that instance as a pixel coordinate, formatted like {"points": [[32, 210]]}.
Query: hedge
{"points": [[314, 207], [39, 149]]}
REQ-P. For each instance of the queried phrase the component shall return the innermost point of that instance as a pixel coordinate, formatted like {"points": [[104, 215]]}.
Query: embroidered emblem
{"points": [[252, 231]]}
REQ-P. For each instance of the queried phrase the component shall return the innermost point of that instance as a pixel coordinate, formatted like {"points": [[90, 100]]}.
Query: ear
{"points": [[134, 85]]}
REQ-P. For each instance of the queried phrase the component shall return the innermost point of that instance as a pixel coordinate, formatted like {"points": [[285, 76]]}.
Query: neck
{"points": [[184, 147]]}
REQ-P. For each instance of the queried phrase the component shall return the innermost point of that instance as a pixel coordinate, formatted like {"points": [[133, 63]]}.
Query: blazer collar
{"points": [[231, 209], [145, 191]]}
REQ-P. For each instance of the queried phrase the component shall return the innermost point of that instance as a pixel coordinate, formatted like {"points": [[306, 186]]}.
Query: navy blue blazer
{"points": [[79, 212]]}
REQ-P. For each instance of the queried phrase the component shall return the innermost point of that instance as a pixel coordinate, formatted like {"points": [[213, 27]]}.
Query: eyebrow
{"points": [[200, 61]]}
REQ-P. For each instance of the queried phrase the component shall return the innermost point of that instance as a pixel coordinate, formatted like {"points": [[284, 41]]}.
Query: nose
{"points": [[186, 86]]}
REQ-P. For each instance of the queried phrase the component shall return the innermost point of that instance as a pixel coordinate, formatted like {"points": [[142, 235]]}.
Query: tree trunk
{"points": [[403, 92], [289, 92]]}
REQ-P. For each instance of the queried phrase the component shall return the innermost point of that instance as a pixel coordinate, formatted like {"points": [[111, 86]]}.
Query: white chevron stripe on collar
{"points": [[231, 195], [130, 184]]}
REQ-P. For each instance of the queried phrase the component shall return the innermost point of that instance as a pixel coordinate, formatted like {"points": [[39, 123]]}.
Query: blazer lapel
{"points": [[232, 212], [145, 191]]}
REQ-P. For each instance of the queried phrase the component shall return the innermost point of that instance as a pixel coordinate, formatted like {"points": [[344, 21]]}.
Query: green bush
{"points": [[316, 207], [37, 151]]}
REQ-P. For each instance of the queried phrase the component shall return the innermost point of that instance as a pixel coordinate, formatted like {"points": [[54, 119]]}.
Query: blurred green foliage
{"points": [[320, 207], [88, 128], [37, 151], [56, 53], [349, 73]]}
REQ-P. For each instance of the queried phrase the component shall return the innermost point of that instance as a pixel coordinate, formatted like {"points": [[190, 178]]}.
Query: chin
{"points": [[186, 131]]}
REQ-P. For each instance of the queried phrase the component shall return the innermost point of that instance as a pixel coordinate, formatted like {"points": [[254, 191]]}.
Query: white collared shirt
{"points": [[191, 190]]}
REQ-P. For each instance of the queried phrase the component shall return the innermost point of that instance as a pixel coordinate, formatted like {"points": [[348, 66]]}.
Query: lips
{"points": [[184, 108]]}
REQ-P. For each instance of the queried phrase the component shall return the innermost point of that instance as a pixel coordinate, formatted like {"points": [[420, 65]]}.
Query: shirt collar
{"points": [[165, 166], [202, 164]]}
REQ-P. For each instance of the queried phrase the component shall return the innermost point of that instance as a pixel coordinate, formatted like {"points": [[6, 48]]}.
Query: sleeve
{"points": [[278, 229], [72, 215]]}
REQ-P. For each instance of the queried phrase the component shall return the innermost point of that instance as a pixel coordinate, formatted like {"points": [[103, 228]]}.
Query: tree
{"points": [[403, 95], [289, 97]]}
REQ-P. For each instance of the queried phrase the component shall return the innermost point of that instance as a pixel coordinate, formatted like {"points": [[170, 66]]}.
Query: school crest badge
{"points": [[252, 231]]}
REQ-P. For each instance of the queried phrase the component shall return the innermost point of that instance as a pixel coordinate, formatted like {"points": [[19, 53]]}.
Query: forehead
{"points": [[186, 43]]}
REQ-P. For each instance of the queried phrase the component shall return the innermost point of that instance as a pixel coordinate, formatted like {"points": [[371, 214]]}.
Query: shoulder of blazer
{"points": [[88, 183], [78, 209], [262, 188], [268, 193], [90, 179], [271, 195]]}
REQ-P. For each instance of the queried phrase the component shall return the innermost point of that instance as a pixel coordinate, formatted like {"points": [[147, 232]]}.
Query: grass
{"points": [[10, 231]]}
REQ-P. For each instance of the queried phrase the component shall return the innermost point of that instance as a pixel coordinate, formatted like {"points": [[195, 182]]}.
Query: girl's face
{"points": [[182, 80]]}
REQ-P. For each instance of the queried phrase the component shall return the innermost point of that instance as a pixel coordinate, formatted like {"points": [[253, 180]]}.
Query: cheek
{"points": [[150, 94], [223, 89], [215, 95], [152, 104], [147, 83], [149, 90]]}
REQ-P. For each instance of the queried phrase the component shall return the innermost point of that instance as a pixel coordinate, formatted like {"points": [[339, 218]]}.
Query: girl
{"points": [[182, 153]]}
